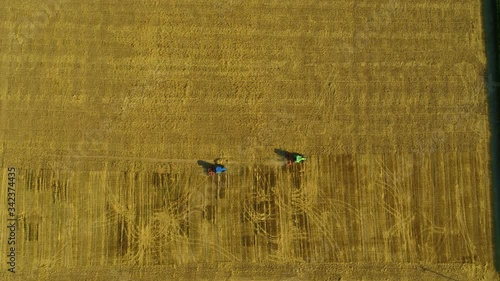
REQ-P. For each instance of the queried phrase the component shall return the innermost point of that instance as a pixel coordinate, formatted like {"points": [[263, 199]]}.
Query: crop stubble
{"points": [[106, 107]]}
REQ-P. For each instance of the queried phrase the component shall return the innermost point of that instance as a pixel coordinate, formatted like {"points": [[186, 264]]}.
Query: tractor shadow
{"points": [[283, 153], [206, 165], [285, 157]]}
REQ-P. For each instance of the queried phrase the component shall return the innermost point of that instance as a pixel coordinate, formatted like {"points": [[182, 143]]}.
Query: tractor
{"points": [[294, 158]]}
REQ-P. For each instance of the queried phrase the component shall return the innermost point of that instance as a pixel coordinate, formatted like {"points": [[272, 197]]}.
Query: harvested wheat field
{"points": [[108, 107]]}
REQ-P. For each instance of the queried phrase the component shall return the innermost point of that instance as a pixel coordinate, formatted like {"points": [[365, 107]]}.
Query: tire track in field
{"points": [[265, 162]]}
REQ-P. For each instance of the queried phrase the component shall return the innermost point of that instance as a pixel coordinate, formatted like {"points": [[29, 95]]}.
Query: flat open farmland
{"points": [[107, 107]]}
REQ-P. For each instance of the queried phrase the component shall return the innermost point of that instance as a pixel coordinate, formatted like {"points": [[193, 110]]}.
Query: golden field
{"points": [[107, 106]]}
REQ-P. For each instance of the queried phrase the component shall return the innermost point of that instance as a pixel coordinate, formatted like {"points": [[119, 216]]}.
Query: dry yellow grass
{"points": [[107, 106]]}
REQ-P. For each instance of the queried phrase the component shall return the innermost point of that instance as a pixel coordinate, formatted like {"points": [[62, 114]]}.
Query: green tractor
{"points": [[294, 158]]}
